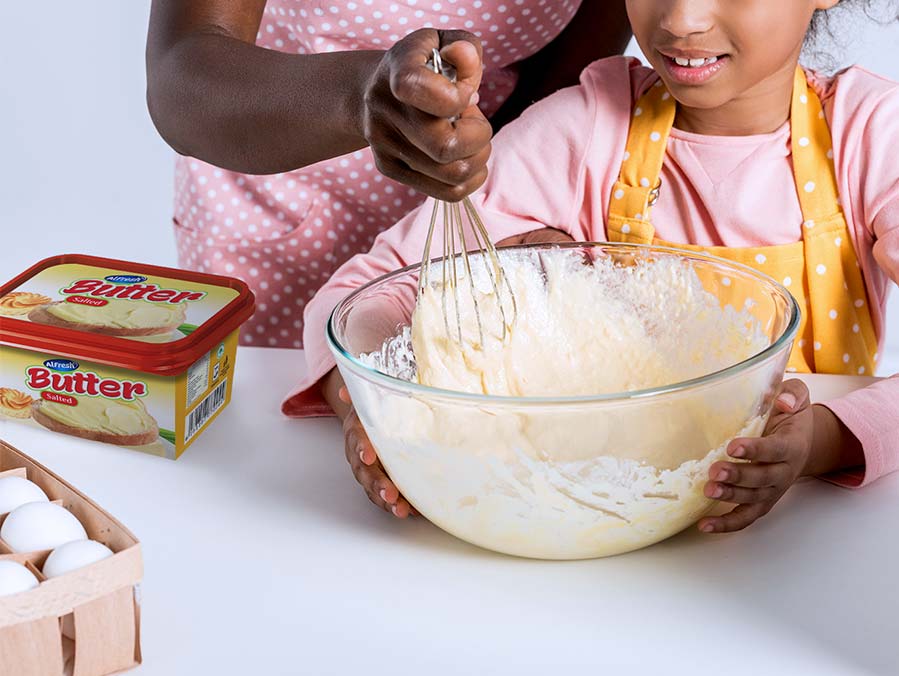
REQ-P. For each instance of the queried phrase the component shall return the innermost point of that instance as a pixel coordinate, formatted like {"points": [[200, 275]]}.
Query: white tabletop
{"points": [[263, 556]]}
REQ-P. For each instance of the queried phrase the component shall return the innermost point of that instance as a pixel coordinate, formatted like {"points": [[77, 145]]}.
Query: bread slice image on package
{"points": [[124, 423], [113, 318]]}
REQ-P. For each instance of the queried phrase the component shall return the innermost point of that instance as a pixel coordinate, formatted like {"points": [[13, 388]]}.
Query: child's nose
{"points": [[683, 18]]}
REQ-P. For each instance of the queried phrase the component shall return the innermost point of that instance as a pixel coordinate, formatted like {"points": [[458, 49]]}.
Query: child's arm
{"points": [[214, 95]]}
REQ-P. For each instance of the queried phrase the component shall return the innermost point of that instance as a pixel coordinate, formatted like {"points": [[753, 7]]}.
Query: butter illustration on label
{"points": [[119, 305], [85, 404], [113, 421], [122, 314], [108, 416]]}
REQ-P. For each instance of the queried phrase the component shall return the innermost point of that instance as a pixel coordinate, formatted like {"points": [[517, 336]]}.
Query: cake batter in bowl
{"points": [[589, 428]]}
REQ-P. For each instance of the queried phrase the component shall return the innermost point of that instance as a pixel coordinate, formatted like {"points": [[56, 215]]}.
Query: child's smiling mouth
{"points": [[693, 67]]}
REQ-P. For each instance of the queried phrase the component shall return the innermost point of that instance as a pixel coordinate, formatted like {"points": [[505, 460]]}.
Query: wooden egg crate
{"points": [[85, 622]]}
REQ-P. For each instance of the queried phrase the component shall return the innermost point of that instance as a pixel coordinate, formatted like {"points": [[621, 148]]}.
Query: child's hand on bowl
{"points": [[800, 439], [541, 236], [367, 469]]}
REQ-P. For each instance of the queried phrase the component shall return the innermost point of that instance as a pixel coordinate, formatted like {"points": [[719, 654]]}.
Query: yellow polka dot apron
{"points": [[836, 333]]}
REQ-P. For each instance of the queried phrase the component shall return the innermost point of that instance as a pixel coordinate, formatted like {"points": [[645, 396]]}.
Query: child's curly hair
{"points": [[833, 29]]}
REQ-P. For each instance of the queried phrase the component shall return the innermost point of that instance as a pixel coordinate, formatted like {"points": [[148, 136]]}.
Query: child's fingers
{"points": [[377, 485], [364, 461], [369, 479], [740, 494], [793, 396], [540, 236], [402, 509], [369, 472], [367, 476], [396, 503], [751, 475], [388, 496], [738, 519], [386, 490], [771, 449], [358, 448], [384, 493]]}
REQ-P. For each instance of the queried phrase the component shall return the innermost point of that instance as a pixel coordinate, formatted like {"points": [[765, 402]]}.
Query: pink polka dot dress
{"points": [[285, 234]]}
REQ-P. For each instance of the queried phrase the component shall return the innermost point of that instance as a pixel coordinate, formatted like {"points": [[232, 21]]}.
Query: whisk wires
{"points": [[454, 217]]}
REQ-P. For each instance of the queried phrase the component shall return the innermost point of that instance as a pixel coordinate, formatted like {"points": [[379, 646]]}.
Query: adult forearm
{"points": [[253, 110]]}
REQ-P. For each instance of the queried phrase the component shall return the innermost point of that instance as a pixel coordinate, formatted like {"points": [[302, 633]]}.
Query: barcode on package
{"points": [[205, 410]]}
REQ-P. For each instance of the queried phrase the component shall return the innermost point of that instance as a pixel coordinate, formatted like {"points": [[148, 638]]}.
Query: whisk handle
{"points": [[448, 70], [437, 64]]}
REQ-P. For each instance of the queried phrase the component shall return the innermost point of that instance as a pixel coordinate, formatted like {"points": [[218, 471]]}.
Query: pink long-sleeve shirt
{"points": [[556, 165]]}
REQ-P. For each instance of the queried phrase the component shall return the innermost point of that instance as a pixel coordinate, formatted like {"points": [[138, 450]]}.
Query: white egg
{"points": [[15, 578], [37, 526], [16, 491], [74, 555]]}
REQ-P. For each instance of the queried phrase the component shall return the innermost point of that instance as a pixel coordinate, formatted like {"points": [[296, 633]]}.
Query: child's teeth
{"points": [[695, 63]]}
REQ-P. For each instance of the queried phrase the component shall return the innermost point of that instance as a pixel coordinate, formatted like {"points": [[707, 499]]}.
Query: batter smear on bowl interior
{"points": [[548, 484], [581, 330]]}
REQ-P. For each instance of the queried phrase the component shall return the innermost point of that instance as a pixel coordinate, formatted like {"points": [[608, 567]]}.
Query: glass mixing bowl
{"points": [[560, 477]]}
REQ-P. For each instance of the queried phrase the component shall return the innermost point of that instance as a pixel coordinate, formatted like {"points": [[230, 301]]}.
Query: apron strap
{"points": [[839, 313], [812, 155], [638, 184]]}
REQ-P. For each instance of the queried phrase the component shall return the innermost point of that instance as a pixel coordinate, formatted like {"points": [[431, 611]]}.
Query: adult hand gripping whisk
{"points": [[454, 217]]}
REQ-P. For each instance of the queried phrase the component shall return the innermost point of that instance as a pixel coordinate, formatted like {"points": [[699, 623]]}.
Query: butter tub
{"points": [[123, 353]]}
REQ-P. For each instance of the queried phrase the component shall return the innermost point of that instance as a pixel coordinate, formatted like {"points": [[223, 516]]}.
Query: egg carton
{"points": [[85, 622]]}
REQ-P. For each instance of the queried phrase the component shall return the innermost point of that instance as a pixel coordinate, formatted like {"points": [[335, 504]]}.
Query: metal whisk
{"points": [[454, 233]]}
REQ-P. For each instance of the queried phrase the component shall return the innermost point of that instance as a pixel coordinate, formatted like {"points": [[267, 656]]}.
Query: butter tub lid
{"points": [[141, 317]]}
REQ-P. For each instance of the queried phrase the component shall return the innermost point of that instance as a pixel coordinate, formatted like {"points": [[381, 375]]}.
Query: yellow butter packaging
{"points": [[118, 352]]}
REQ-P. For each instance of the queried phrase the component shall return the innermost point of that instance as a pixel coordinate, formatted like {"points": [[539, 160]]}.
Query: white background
{"points": [[81, 166]]}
